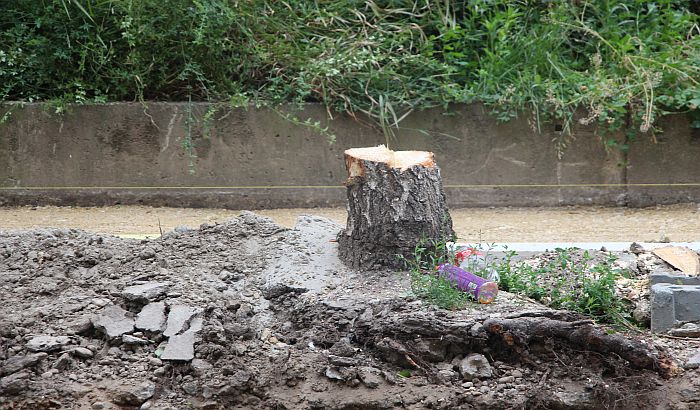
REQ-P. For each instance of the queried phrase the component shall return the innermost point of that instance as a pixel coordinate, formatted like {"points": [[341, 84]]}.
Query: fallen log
{"points": [[395, 202]]}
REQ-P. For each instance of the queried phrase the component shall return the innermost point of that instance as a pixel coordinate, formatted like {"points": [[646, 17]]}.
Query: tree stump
{"points": [[395, 202]]}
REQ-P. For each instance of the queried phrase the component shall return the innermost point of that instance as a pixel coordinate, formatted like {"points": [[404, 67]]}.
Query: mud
{"points": [[277, 322]]}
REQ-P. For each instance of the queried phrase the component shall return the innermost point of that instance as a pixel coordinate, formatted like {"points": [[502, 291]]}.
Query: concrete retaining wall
{"points": [[116, 153]]}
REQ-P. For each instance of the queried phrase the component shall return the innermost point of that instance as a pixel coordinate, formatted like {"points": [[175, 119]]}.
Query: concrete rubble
{"points": [[151, 318], [145, 292]]}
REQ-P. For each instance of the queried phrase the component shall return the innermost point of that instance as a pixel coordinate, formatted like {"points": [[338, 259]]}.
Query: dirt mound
{"points": [[248, 314]]}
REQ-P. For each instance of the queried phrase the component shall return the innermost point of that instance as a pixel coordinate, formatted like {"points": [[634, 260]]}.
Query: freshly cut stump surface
{"points": [[395, 202]]}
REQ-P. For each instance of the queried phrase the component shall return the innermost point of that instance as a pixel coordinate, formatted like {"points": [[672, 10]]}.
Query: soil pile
{"points": [[248, 314]]}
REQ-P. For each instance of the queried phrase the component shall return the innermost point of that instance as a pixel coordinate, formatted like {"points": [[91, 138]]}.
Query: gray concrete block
{"points": [[663, 316], [673, 304], [674, 279]]}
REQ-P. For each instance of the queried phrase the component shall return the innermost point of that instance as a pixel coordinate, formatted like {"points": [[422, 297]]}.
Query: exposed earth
{"points": [[677, 223], [249, 314]]}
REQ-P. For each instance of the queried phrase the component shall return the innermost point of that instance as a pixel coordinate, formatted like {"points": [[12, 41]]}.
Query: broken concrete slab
{"points": [[680, 257], [113, 321], [673, 304], [179, 319], [146, 292], [17, 363], [152, 317], [180, 347], [47, 343]]}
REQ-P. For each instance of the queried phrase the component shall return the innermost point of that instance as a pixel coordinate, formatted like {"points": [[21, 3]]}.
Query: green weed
{"points": [[570, 279], [426, 283]]}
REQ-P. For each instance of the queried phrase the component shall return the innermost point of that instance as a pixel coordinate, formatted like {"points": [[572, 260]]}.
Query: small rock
{"points": [[98, 405], [154, 361], [342, 361], [369, 376], [693, 362], [477, 330], [687, 330], [152, 317], [83, 352], [448, 374], [467, 385], [14, 384], [113, 321], [239, 379], [200, 367], [333, 373], [517, 373], [17, 363], [79, 326], [133, 395], [146, 406], [342, 348], [63, 362], [47, 343], [636, 248], [159, 371], [642, 312], [190, 388], [475, 365], [569, 399], [506, 379], [146, 292], [133, 340]]}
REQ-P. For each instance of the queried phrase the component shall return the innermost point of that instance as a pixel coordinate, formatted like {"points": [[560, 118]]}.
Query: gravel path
{"points": [[680, 223]]}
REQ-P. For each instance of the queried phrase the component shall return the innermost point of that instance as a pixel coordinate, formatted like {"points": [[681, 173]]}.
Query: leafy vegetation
{"points": [[622, 63], [569, 279]]}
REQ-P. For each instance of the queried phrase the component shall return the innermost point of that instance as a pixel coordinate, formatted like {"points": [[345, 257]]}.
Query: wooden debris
{"points": [[680, 257]]}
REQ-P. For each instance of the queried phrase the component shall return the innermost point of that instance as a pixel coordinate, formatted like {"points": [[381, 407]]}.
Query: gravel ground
{"points": [[678, 223]]}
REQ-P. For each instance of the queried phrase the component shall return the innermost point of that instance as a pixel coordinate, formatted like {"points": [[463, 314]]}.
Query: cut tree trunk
{"points": [[395, 202]]}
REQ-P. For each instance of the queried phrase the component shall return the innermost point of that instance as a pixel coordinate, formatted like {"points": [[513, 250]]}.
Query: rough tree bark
{"points": [[395, 201]]}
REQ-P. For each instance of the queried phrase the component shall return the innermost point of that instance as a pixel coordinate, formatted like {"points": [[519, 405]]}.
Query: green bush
{"points": [[624, 63]]}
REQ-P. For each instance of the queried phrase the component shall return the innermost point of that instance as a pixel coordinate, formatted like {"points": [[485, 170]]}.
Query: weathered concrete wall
{"points": [[116, 153], [668, 168]]}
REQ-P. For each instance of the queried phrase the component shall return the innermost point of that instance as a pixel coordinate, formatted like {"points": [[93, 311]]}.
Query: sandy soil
{"points": [[677, 223]]}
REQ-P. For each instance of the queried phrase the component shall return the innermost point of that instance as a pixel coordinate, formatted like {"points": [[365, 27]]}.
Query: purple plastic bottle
{"points": [[483, 290]]}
